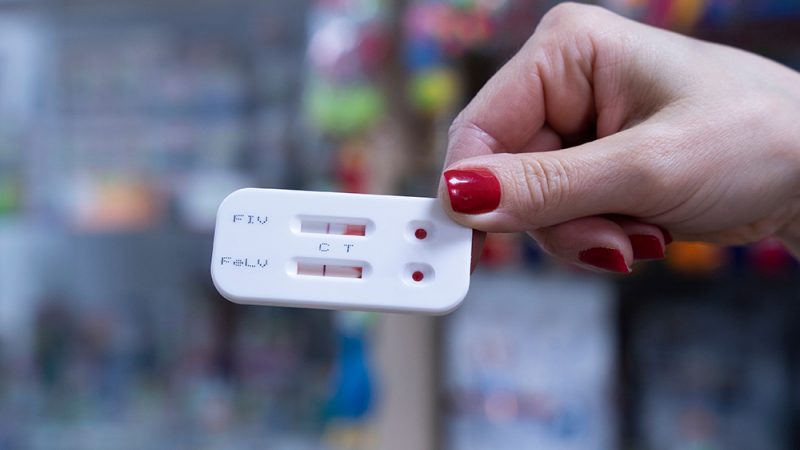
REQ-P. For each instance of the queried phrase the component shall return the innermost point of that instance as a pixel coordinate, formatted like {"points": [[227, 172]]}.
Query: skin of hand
{"points": [[602, 133]]}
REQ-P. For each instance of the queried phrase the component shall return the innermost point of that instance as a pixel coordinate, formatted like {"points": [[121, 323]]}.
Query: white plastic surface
{"points": [[340, 251]]}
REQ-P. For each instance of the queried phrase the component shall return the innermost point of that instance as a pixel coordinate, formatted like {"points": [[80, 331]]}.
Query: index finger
{"points": [[504, 114], [545, 87]]}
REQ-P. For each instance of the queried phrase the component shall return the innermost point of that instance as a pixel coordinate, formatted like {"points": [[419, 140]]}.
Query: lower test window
{"points": [[329, 270]]}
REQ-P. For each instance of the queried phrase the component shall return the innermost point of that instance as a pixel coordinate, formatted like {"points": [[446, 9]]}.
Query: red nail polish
{"points": [[472, 191], [646, 246], [667, 236], [605, 258]]}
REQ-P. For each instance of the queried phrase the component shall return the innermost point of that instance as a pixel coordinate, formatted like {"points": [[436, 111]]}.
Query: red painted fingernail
{"points": [[646, 246], [472, 191], [667, 236], [605, 258]]}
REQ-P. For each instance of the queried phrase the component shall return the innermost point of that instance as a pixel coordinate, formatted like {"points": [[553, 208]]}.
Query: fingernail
{"points": [[605, 258], [646, 246], [472, 191], [667, 236]]}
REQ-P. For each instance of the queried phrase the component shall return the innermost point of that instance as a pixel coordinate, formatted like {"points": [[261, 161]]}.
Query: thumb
{"points": [[527, 191]]}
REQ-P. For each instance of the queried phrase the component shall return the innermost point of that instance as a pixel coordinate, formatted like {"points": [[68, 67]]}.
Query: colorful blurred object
{"points": [[345, 110], [770, 257], [352, 393], [500, 386], [114, 204], [434, 91], [455, 27], [501, 250], [695, 258], [685, 14], [348, 47]]}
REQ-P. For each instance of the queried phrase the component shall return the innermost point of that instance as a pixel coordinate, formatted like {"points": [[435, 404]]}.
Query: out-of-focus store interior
{"points": [[123, 125]]}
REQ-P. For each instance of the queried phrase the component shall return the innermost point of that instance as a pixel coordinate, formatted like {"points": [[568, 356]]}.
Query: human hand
{"points": [[683, 135]]}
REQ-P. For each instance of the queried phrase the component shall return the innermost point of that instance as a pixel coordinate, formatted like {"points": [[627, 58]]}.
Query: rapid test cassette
{"points": [[340, 251]]}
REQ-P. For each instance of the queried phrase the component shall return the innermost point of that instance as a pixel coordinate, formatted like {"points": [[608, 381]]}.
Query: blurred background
{"points": [[122, 126]]}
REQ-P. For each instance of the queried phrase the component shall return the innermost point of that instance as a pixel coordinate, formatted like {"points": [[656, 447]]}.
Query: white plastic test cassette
{"points": [[340, 251]]}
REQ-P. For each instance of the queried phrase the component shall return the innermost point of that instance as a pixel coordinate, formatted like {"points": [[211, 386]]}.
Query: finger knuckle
{"points": [[546, 182], [569, 15]]}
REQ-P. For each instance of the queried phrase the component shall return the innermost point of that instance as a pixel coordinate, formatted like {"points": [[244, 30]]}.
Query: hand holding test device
{"points": [[340, 251]]}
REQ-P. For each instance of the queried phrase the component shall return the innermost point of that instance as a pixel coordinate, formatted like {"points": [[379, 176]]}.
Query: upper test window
{"points": [[338, 227]]}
